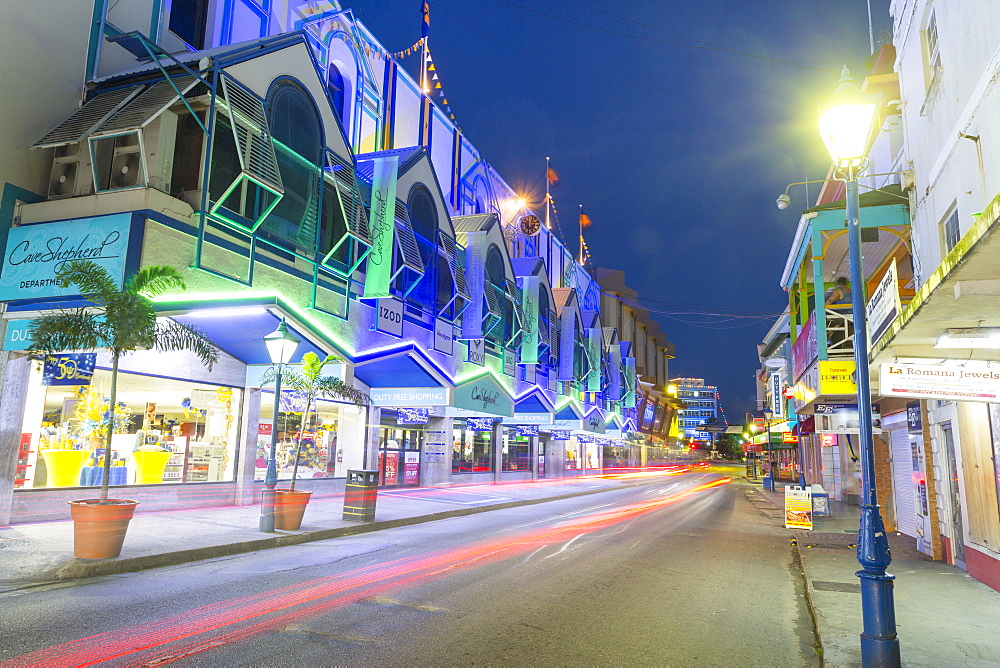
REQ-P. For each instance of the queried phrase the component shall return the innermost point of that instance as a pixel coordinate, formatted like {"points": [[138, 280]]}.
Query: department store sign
{"points": [[932, 381], [594, 423], [409, 396], [483, 395], [35, 253]]}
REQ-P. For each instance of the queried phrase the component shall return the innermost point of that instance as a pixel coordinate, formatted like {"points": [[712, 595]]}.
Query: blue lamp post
{"points": [[281, 345], [847, 128], [768, 480]]}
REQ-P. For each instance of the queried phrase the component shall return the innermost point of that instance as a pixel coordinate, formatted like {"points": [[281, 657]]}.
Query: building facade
{"points": [[292, 170]]}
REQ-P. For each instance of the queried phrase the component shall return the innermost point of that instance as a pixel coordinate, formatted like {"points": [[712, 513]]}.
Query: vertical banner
{"points": [[567, 342], [383, 228], [595, 336], [475, 276], [529, 342], [630, 385], [777, 396], [615, 365]]}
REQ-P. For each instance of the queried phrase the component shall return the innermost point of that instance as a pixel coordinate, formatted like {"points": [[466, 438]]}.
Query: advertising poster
{"points": [[411, 467], [390, 467], [69, 369], [798, 508]]}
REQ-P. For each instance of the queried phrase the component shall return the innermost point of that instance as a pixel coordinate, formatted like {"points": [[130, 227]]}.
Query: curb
{"points": [[86, 568]]}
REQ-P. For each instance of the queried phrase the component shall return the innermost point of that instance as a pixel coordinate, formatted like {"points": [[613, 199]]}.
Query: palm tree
{"points": [[311, 384], [119, 319]]}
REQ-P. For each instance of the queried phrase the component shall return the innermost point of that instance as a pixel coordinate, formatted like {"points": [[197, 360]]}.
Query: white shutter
{"points": [[902, 474]]}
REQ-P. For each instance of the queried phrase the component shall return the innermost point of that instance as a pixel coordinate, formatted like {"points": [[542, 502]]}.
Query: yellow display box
{"points": [[64, 466], [149, 466]]}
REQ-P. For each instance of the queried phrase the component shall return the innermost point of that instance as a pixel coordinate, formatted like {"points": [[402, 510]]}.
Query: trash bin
{"points": [[359, 496]]}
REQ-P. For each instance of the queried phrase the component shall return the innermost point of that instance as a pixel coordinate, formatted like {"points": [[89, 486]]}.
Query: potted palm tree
{"points": [[310, 384], [121, 320]]}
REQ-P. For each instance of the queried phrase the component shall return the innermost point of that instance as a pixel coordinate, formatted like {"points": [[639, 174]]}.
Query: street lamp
{"points": [[281, 345], [768, 480], [847, 128]]}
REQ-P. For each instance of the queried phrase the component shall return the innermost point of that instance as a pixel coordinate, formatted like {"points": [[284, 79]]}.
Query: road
{"points": [[673, 570]]}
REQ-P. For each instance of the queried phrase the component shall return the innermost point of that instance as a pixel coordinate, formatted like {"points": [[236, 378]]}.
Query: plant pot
{"points": [[289, 508], [99, 529]]}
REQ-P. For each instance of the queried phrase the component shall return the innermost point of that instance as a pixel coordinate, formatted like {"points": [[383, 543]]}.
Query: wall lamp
{"points": [[969, 337]]}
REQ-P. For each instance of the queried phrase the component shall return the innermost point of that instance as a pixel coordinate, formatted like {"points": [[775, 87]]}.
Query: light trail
{"points": [[181, 635]]}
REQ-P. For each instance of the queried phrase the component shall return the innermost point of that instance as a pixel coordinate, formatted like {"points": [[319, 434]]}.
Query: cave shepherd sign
{"points": [[383, 227], [483, 395], [35, 253]]}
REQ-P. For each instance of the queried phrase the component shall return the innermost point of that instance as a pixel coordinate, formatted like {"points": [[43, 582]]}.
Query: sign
{"points": [[35, 253], [798, 508], [69, 369], [841, 419], [444, 337], [17, 336], [475, 276], [526, 429], [483, 395], [411, 467], [837, 377], [594, 423], [292, 401], [777, 396], [479, 424], [931, 381], [594, 337], [615, 372], [567, 342], [409, 396], [530, 286], [712, 428], [914, 419], [789, 437], [412, 415], [560, 435], [477, 351], [631, 390], [805, 350], [382, 225], [389, 316], [529, 418], [509, 361], [389, 463], [884, 306]]}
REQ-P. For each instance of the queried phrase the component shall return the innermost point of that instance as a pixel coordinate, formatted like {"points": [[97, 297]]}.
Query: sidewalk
{"points": [[43, 551], [943, 616]]}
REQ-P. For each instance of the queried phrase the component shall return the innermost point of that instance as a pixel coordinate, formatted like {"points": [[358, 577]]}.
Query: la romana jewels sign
{"points": [[972, 382], [35, 253]]}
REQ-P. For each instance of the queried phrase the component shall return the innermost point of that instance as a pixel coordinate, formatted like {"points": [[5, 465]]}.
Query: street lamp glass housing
{"points": [[281, 344], [846, 123]]}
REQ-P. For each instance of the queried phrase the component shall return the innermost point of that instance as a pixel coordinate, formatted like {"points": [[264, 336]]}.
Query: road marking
{"points": [[564, 547]]}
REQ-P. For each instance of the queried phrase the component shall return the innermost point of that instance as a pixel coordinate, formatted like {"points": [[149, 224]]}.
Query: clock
{"points": [[530, 225]]}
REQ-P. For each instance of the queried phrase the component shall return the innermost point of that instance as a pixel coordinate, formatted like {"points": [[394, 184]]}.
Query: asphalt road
{"points": [[675, 570]]}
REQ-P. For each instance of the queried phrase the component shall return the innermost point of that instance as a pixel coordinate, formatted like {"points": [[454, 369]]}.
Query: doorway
{"points": [[957, 528]]}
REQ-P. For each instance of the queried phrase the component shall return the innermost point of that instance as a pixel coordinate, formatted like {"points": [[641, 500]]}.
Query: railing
{"points": [[839, 333]]}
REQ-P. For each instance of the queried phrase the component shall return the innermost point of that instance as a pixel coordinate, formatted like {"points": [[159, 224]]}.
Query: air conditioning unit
{"points": [[136, 159], [70, 175]]}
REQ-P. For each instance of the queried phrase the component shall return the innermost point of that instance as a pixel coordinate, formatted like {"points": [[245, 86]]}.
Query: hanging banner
{"points": [[567, 343], [777, 396], [382, 224], [631, 393], [69, 369], [615, 369], [479, 424], [475, 277], [594, 337], [884, 306], [529, 342], [526, 429], [412, 415]]}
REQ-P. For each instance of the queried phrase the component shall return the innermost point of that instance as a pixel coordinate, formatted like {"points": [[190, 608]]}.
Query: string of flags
{"points": [[433, 78], [398, 55]]}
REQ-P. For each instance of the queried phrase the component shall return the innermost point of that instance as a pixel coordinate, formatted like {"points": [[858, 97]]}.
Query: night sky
{"points": [[676, 153]]}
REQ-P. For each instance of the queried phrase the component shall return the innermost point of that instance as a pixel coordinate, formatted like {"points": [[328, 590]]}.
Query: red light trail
{"points": [[177, 636]]}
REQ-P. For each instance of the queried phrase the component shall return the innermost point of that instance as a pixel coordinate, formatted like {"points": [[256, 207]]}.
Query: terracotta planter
{"points": [[99, 530], [289, 508]]}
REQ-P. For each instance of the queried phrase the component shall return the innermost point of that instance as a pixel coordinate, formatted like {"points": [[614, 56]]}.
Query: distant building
{"points": [[701, 407]]}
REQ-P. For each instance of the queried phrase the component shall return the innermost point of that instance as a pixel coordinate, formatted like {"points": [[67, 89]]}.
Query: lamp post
{"points": [[768, 480], [281, 345], [847, 128]]}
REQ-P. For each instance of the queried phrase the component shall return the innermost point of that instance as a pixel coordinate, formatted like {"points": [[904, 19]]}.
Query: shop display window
{"points": [[572, 456], [399, 454], [516, 454], [165, 431], [331, 437], [472, 451]]}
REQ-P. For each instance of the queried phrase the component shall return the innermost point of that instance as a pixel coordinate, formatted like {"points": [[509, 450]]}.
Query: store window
{"points": [[516, 453], [472, 449], [399, 453], [165, 431], [330, 428], [573, 459]]}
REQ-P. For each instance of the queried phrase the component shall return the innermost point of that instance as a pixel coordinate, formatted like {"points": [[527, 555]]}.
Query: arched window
{"points": [[336, 85], [298, 139], [423, 217]]}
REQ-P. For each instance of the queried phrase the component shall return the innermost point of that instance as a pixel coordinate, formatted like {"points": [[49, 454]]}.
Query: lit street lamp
{"points": [[281, 345], [847, 128]]}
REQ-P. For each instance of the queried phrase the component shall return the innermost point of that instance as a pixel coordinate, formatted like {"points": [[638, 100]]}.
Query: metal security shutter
{"points": [[902, 474], [91, 115], [141, 111]]}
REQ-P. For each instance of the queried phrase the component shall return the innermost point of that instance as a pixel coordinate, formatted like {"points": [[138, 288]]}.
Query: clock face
{"points": [[530, 225]]}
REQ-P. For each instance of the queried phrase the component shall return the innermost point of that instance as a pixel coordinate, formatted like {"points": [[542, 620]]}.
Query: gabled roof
{"points": [[527, 266], [408, 157], [474, 223], [563, 296]]}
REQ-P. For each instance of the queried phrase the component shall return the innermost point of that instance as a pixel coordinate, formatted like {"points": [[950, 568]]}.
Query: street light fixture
{"points": [[847, 128], [281, 345]]}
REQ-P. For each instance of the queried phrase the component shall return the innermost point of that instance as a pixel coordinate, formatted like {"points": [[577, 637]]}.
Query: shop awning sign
{"points": [[560, 435], [526, 429], [34, 254], [931, 381], [409, 396], [483, 395], [69, 369]]}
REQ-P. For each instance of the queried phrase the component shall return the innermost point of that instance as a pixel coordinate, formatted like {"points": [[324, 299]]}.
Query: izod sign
{"points": [[483, 395], [34, 254]]}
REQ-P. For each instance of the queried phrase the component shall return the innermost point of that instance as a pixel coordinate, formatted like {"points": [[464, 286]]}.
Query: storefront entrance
{"points": [[399, 456]]}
